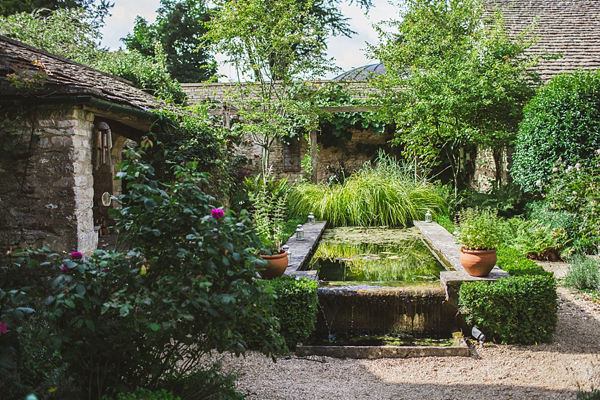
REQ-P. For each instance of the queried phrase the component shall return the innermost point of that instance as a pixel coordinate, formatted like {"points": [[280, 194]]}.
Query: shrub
{"points": [[384, 195], [147, 395], [593, 395], [583, 274], [295, 307], [515, 263], [121, 321], [562, 120], [520, 309]]}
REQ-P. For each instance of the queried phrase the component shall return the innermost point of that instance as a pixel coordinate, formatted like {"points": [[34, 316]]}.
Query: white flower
{"points": [[555, 169], [570, 168], [578, 166], [538, 183], [598, 151]]}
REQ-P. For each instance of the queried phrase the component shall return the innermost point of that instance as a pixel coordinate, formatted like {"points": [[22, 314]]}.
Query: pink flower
{"points": [[598, 151], [578, 166], [3, 327], [9, 251], [64, 268], [76, 255], [570, 168], [217, 213], [538, 183], [555, 169]]}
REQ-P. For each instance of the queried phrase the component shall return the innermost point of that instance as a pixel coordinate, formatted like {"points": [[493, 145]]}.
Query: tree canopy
{"points": [[179, 27], [451, 80], [97, 10]]}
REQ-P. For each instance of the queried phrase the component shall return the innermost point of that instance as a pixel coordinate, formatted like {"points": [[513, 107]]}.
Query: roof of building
{"points": [[567, 27], [362, 73], [63, 78]]}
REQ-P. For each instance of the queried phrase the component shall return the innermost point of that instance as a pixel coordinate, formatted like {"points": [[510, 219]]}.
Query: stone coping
{"points": [[374, 352], [302, 250]]}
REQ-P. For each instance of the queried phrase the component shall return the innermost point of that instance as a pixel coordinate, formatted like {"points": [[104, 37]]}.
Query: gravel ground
{"points": [[549, 371]]}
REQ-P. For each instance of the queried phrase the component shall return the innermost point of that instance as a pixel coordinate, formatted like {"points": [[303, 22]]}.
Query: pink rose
{"points": [[76, 255], [217, 213], [3, 328]]}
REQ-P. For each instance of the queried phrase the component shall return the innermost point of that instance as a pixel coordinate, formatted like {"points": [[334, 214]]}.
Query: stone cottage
{"points": [[63, 126]]}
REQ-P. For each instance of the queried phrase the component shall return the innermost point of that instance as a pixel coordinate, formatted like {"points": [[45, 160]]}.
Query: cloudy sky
{"points": [[348, 53]]}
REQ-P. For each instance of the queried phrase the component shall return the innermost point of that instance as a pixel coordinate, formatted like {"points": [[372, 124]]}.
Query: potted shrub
{"points": [[269, 214], [480, 234]]}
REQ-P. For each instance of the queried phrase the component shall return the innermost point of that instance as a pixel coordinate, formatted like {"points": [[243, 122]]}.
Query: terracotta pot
{"points": [[478, 262], [276, 265]]}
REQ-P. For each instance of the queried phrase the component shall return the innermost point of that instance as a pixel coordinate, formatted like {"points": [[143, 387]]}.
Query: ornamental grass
{"points": [[384, 195]]}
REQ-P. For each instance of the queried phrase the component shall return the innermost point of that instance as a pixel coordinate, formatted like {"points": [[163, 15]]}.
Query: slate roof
{"points": [[567, 27], [67, 78]]}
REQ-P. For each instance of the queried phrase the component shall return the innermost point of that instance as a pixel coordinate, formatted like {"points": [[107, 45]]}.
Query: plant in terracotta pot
{"points": [[480, 233], [269, 215]]}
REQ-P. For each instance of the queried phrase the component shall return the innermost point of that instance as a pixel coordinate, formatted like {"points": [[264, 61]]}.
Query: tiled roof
{"points": [[570, 28], [67, 78]]}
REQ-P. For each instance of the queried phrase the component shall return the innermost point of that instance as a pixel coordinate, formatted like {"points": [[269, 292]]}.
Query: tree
{"points": [[179, 27], [275, 44], [97, 12], [452, 81]]}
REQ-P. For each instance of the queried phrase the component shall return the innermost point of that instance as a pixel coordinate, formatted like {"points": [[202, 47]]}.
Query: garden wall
{"points": [[332, 153]]}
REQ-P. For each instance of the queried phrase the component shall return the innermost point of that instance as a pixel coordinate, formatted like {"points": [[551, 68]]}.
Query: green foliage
{"points": [[583, 274], [593, 395], [269, 198], [539, 241], [450, 80], [71, 34], [542, 212], [179, 138], [515, 263], [386, 194], [509, 200], [145, 318], [295, 307], [576, 189], [561, 121], [520, 309], [479, 229], [97, 11], [179, 27]]}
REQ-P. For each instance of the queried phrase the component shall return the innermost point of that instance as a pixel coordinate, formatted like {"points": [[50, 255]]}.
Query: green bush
{"points": [[593, 395], [583, 274], [295, 307], [515, 263], [562, 120], [384, 195], [520, 309]]}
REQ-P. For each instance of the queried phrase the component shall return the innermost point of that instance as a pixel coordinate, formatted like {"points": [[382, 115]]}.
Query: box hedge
{"points": [[517, 309], [515, 263]]}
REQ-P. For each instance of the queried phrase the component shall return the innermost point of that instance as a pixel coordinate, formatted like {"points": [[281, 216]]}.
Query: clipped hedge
{"points": [[295, 307], [518, 309], [515, 263]]}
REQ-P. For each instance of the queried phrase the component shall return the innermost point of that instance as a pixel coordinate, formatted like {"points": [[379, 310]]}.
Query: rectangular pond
{"points": [[361, 256]]}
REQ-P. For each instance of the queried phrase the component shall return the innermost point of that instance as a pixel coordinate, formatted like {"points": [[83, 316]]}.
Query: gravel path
{"points": [[549, 371]]}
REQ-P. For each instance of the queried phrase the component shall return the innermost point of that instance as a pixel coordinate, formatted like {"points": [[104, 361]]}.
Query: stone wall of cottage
{"points": [[46, 187]]}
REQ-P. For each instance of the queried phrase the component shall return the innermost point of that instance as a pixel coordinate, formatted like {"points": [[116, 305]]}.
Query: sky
{"points": [[347, 52]]}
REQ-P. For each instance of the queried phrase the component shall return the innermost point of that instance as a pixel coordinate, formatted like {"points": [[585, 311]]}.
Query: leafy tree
{"points": [[276, 43], [179, 27], [452, 81], [69, 33], [96, 11]]}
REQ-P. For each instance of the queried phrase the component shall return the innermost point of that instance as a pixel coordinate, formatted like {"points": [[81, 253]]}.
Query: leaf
{"points": [[80, 288], [90, 325], [70, 303], [150, 205], [154, 327], [124, 311]]}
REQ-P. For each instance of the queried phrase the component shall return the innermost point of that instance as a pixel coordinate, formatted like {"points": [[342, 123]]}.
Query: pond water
{"points": [[352, 255]]}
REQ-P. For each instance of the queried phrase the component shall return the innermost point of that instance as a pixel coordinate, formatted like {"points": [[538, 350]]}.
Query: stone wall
{"points": [[352, 155], [46, 186]]}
